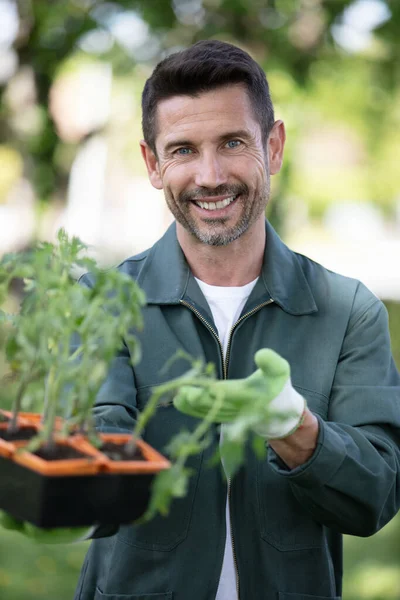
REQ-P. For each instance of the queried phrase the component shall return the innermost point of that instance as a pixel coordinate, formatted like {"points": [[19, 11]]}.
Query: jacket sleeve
{"points": [[115, 409], [352, 481]]}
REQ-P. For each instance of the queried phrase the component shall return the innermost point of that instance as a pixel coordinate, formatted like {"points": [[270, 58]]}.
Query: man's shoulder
{"points": [[133, 264], [330, 287], [130, 266]]}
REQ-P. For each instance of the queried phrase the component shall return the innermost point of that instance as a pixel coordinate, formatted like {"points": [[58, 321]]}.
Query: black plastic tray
{"points": [[64, 501]]}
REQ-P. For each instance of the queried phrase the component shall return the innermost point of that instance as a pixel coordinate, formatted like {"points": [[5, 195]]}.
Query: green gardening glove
{"points": [[45, 536], [267, 395]]}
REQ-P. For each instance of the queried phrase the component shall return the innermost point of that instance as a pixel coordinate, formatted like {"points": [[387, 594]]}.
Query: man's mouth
{"points": [[216, 205]]}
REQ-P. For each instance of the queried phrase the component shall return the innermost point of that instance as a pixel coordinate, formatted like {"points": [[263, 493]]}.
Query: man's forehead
{"points": [[234, 92], [216, 107]]}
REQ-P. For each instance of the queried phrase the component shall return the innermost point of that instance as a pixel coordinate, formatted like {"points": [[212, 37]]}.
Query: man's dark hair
{"points": [[203, 67]]}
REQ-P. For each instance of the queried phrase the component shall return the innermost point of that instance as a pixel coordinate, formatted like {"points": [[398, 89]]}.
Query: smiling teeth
{"points": [[216, 205]]}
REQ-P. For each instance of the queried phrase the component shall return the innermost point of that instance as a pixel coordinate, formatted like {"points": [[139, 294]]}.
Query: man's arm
{"points": [[115, 410], [351, 479]]}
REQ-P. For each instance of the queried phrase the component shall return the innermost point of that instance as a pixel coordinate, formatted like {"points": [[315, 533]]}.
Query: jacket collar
{"points": [[166, 278]]}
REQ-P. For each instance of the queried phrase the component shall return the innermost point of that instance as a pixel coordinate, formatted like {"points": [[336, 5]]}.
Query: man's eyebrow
{"points": [[176, 144], [239, 133]]}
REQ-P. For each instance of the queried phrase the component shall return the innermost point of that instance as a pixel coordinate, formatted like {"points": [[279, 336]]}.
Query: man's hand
{"points": [[268, 392], [282, 397], [45, 536]]}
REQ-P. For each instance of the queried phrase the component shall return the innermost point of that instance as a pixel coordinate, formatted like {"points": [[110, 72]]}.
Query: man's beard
{"points": [[215, 234]]}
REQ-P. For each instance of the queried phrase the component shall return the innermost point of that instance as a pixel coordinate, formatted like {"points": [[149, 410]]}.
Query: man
{"points": [[221, 285]]}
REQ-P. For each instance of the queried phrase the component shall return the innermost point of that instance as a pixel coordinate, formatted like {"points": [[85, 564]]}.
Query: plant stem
{"points": [[51, 406], [202, 428], [189, 379], [75, 354], [183, 452], [16, 406], [45, 401]]}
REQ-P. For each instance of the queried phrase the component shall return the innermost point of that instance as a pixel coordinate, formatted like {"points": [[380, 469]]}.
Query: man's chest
{"points": [[310, 343]]}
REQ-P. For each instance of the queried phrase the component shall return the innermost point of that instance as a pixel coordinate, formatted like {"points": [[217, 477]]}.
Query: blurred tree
{"points": [[282, 35], [315, 80]]}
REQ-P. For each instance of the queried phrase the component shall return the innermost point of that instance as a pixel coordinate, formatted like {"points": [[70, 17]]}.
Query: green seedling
{"points": [[55, 315], [238, 404]]}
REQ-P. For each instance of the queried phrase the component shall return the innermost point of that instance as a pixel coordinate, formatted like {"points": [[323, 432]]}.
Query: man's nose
{"points": [[210, 172]]}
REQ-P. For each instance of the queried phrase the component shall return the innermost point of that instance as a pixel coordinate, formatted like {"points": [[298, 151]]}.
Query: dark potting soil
{"points": [[119, 452], [59, 452], [22, 433]]}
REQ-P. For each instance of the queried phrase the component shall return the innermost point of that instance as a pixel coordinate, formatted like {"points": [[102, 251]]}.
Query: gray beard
{"points": [[218, 237]]}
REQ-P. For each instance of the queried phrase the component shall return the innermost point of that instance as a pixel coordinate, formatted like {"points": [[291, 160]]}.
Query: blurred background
{"points": [[71, 76]]}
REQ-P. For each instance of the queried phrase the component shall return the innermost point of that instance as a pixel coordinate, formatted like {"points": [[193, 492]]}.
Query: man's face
{"points": [[211, 163]]}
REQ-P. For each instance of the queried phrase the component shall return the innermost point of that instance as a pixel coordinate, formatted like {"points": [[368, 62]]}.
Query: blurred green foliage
{"points": [[393, 309], [372, 565], [318, 88], [32, 572], [314, 81]]}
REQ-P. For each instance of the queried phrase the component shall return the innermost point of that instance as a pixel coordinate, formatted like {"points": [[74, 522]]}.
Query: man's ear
{"points": [[152, 165], [276, 144]]}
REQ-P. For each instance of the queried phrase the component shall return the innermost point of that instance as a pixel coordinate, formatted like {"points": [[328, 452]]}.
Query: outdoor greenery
{"points": [[393, 309], [317, 85], [324, 90]]}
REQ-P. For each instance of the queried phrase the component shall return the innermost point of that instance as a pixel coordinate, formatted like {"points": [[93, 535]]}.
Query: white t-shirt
{"points": [[226, 304]]}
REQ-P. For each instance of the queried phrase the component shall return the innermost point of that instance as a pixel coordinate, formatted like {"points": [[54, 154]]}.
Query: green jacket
{"points": [[286, 524]]}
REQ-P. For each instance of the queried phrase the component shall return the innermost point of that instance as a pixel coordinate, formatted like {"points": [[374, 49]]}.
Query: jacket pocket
{"points": [[162, 596], [284, 522], [165, 533], [289, 596]]}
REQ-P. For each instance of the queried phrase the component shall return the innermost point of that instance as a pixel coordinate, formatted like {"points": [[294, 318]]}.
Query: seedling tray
{"points": [[68, 501]]}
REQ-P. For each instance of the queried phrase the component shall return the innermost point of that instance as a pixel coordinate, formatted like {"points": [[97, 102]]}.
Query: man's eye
{"points": [[183, 151], [233, 143]]}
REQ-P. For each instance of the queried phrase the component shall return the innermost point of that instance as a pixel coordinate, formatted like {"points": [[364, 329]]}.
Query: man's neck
{"points": [[234, 265]]}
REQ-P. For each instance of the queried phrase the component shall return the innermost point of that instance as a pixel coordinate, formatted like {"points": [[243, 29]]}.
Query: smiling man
{"points": [[215, 175], [221, 285]]}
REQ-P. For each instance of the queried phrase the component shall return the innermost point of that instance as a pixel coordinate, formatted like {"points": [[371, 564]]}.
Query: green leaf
{"points": [[183, 444], [169, 484], [12, 348], [232, 455], [259, 447], [8, 522], [61, 535]]}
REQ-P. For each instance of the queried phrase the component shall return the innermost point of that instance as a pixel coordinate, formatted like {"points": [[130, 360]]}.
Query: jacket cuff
{"points": [[321, 466]]}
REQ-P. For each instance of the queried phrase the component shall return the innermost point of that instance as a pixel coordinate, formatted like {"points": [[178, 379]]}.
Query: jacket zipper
{"points": [[228, 349], [207, 324], [225, 362]]}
